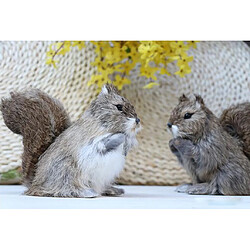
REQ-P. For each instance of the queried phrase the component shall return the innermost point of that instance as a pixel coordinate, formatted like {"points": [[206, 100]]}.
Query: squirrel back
{"points": [[39, 118]]}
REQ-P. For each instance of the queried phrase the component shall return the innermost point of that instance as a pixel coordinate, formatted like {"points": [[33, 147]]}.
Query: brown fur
{"points": [[236, 121], [39, 118], [212, 157]]}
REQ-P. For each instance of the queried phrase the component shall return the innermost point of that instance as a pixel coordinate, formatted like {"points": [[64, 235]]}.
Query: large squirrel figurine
{"points": [[82, 159]]}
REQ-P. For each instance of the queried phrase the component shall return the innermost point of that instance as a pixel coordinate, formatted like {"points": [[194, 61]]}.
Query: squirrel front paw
{"points": [[199, 189], [172, 146], [183, 188], [111, 142], [180, 146]]}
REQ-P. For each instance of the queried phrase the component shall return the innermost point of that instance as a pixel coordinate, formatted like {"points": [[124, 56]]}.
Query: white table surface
{"points": [[148, 197]]}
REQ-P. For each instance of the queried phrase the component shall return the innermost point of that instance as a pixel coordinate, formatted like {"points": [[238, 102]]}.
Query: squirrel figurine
{"points": [[210, 155], [76, 160], [236, 121]]}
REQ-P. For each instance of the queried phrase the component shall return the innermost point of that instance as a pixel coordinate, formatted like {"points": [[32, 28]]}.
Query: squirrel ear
{"points": [[183, 98], [104, 90], [199, 99], [109, 88]]}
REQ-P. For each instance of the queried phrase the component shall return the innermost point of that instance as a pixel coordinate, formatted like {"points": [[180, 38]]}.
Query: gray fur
{"points": [[112, 142], [213, 159]]}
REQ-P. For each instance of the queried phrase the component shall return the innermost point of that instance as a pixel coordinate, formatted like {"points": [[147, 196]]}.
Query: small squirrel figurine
{"points": [[236, 121], [210, 155], [78, 160]]}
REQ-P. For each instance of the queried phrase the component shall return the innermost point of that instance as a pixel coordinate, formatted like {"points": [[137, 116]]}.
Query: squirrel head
{"points": [[114, 112], [190, 118]]}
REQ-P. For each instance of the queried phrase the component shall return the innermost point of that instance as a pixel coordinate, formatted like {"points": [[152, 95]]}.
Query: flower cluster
{"points": [[115, 60], [61, 48]]}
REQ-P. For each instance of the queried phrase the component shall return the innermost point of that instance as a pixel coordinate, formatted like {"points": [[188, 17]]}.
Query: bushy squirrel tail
{"points": [[39, 118], [236, 121]]}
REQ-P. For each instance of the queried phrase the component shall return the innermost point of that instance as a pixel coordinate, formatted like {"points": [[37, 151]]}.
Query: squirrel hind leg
{"points": [[88, 193], [85, 193]]}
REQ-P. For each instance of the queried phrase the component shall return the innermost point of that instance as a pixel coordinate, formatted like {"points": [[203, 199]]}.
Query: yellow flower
{"points": [[51, 52], [149, 50], [161, 58], [145, 49], [150, 85], [179, 47], [118, 58], [59, 45], [184, 60], [164, 72], [132, 44], [115, 55], [126, 67], [184, 69], [119, 81], [79, 44], [51, 61], [125, 48], [134, 55], [100, 64], [165, 45], [172, 58], [117, 44], [63, 47], [149, 72], [105, 68]]}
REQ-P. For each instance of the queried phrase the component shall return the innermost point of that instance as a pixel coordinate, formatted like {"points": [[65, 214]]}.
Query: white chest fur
{"points": [[100, 170]]}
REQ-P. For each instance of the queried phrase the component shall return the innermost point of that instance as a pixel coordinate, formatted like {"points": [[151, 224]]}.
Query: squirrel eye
{"points": [[187, 115], [119, 107]]}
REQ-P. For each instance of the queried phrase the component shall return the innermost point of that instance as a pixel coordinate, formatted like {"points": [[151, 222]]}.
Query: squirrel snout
{"points": [[137, 120], [169, 124]]}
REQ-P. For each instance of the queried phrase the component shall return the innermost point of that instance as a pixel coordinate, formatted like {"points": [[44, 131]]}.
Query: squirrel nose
{"points": [[137, 120], [169, 125]]}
